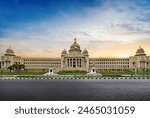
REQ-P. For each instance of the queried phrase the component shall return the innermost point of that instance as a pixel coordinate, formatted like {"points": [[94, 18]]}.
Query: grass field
{"points": [[75, 74], [23, 72]]}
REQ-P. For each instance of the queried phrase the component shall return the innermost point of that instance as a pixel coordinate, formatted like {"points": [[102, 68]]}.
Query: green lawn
{"points": [[72, 72], [75, 74], [125, 72], [23, 72]]}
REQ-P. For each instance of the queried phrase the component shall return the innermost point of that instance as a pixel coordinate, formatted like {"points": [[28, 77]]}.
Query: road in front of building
{"points": [[109, 89]]}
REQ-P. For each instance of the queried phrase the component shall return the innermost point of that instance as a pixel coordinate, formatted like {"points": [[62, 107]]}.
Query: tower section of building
{"points": [[140, 60], [75, 58], [9, 58]]}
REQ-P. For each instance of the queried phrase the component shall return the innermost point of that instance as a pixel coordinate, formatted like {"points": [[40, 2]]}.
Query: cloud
{"points": [[109, 24], [103, 42]]}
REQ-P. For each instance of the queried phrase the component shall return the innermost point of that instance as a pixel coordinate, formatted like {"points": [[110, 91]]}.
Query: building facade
{"points": [[140, 61], [77, 59], [9, 58]]}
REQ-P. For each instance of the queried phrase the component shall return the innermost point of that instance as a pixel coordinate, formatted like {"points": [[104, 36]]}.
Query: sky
{"points": [[43, 28]]}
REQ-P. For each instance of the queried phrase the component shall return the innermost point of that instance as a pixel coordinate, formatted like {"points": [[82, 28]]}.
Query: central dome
{"points": [[75, 45]]}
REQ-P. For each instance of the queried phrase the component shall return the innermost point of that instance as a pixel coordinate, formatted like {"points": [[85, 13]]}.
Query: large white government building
{"points": [[77, 59]]}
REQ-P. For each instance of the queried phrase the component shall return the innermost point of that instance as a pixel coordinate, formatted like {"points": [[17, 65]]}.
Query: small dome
{"points": [[75, 45], [64, 52], [85, 52], [9, 51], [140, 51]]}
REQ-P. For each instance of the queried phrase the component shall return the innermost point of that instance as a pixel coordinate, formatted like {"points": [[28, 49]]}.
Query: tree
{"points": [[23, 66], [11, 68], [43, 70], [17, 67]]}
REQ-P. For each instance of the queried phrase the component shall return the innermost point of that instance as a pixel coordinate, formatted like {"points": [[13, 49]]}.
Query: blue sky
{"points": [[13, 13], [39, 27]]}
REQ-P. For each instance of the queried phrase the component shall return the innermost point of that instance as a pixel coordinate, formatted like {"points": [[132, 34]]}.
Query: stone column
{"points": [[68, 63], [76, 62], [72, 62], [80, 62]]}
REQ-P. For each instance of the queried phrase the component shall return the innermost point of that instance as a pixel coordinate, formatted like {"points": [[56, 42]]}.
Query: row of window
{"points": [[42, 60], [109, 59], [110, 62], [110, 66], [74, 59], [40, 63], [39, 66], [110, 69]]}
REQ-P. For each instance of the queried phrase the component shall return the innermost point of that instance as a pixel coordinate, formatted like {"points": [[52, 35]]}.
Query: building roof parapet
{"points": [[40, 57], [109, 58]]}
